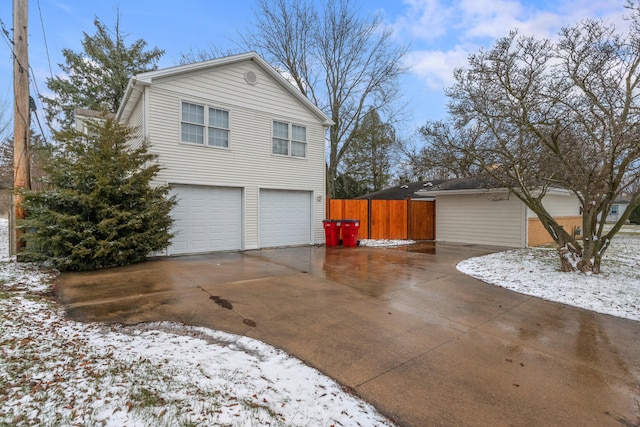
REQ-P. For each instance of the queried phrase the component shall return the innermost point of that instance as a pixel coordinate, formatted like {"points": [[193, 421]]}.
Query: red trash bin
{"points": [[331, 232], [350, 229]]}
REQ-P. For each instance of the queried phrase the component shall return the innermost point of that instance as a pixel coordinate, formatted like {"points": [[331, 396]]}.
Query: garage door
{"points": [[285, 218], [206, 219]]}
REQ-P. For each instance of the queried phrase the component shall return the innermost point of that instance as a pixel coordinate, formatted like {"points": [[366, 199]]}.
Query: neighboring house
{"points": [[83, 117], [617, 209], [476, 210], [242, 148]]}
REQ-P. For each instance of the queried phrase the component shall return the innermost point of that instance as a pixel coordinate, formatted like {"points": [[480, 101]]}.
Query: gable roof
{"points": [[401, 192], [141, 80]]}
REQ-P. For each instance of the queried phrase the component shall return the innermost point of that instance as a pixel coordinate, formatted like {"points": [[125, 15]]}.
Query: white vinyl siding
{"points": [[559, 205], [248, 163], [137, 124], [488, 219]]}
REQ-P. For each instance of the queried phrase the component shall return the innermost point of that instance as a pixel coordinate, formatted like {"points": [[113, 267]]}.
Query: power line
{"points": [[30, 75], [39, 97], [7, 38], [44, 36]]}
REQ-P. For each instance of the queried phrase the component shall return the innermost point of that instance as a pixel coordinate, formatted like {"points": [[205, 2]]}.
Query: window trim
{"points": [[290, 139], [206, 126]]}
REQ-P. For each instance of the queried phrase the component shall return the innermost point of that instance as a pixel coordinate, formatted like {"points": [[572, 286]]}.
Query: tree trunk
{"points": [[588, 262], [591, 258], [569, 259]]}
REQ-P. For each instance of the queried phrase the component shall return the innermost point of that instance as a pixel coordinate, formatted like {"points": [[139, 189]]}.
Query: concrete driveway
{"points": [[404, 330]]}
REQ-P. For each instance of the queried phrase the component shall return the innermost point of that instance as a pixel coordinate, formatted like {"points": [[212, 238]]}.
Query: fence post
{"points": [[369, 218], [409, 218], [327, 209]]}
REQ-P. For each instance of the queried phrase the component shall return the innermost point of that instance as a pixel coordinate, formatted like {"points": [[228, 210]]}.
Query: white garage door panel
{"points": [[206, 219], [285, 218]]}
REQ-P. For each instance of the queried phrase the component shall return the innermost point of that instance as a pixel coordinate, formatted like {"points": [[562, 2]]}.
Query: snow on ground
{"points": [[536, 272], [381, 243], [54, 371]]}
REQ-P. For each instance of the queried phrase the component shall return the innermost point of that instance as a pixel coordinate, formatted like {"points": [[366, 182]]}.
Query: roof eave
{"points": [[550, 191], [130, 98]]}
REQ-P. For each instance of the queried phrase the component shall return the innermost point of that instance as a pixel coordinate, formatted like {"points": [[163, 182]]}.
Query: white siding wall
{"points": [[481, 219], [559, 205], [136, 122], [248, 162]]}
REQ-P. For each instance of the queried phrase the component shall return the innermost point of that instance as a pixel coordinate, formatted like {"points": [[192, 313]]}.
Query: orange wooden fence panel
{"points": [[350, 209], [388, 219], [422, 220]]}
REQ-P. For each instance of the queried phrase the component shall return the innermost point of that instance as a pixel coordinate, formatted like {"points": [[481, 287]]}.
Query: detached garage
{"points": [[473, 210]]}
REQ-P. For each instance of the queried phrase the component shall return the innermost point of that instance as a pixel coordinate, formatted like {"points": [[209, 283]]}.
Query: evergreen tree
{"points": [[100, 209], [374, 150], [347, 187], [97, 78]]}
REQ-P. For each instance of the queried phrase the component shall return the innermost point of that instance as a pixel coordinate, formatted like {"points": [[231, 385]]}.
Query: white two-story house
{"points": [[242, 148]]}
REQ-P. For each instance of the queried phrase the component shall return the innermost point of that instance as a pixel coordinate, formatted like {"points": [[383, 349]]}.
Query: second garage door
{"points": [[285, 218], [206, 219]]}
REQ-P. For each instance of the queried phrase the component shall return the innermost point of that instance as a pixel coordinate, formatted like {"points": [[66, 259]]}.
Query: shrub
{"points": [[100, 209]]}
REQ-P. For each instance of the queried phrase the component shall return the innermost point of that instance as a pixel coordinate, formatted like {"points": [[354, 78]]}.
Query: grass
{"points": [[61, 380], [51, 374]]}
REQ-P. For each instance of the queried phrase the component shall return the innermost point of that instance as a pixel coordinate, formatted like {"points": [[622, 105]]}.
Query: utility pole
{"points": [[21, 117]]}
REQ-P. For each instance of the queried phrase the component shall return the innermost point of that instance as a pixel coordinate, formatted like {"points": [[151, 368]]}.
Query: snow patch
{"points": [[536, 272]]}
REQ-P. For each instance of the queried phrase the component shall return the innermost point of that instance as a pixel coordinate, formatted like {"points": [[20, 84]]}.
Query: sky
{"points": [[439, 34]]}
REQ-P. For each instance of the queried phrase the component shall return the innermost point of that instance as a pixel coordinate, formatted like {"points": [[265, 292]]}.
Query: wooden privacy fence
{"points": [[388, 219]]}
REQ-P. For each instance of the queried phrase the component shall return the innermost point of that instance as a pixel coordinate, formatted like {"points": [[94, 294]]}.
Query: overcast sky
{"points": [[440, 33]]}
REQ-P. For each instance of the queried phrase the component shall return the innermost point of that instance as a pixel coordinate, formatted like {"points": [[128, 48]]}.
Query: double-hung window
{"points": [[289, 139], [200, 120]]}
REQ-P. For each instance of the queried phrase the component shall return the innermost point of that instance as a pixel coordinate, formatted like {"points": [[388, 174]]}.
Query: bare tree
{"points": [[563, 114], [442, 156], [344, 63]]}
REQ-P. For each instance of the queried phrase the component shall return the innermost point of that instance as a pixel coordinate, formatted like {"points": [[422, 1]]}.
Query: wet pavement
{"points": [[402, 328]]}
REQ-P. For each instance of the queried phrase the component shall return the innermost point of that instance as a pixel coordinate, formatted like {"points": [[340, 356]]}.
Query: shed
{"points": [[477, 210]]}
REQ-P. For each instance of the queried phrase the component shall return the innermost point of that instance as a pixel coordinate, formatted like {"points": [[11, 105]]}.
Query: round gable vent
{"points": [[251, 77]]}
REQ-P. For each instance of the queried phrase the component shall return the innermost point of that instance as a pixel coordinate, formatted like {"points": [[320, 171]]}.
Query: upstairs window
{"points": [[218, 127], [193, 128], [281, 138], [289, 139], [298, 141]]}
